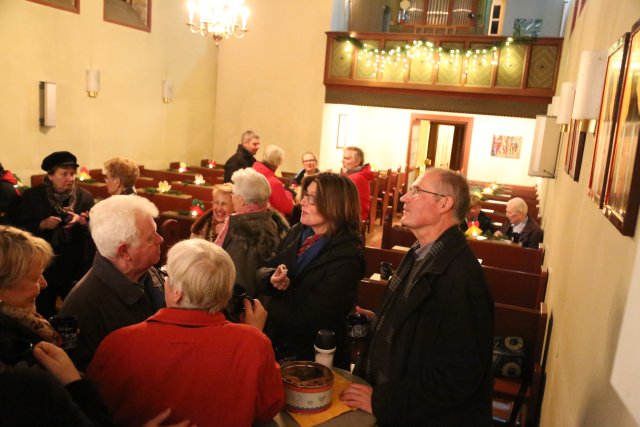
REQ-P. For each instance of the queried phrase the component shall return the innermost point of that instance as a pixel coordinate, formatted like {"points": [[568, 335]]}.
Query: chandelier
{"points": [[220, 18]]}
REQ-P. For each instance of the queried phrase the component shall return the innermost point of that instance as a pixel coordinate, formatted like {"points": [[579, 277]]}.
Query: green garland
{"points": [[427, 50]]}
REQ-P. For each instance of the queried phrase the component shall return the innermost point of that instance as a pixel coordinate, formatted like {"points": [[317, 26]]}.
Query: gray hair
{"points": [[272, 156], [247, 136], [252, 186], [519, 205], [203, 272], [113, 222], [454, 185], [357, 153]]}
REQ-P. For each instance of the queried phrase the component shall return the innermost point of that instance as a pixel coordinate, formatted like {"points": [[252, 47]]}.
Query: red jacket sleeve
{"points": [[280, 199]]}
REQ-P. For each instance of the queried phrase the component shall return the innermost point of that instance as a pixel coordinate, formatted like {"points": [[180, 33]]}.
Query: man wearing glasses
{"points": [[430, 355]]}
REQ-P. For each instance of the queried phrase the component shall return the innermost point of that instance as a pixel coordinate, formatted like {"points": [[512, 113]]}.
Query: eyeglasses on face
{"points": [[309, 160], [309, 198], [414, 191]]}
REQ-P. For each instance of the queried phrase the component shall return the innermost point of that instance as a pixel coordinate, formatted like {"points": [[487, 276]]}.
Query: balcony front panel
{"points": [[479, 65]]}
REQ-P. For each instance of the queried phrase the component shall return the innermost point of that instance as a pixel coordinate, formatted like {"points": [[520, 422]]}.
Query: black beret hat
{"points": [[59, 158]]}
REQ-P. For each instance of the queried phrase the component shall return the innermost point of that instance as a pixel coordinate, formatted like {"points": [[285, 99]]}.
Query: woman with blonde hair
{"points": [[121, 175], [211, 222]]}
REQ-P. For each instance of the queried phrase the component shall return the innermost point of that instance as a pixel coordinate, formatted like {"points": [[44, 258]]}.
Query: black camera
{"points": [[239, 295], [65, 218]]}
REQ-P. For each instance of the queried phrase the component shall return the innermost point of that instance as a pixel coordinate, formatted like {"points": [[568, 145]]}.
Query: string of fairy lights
{"points": [[424, 50]]}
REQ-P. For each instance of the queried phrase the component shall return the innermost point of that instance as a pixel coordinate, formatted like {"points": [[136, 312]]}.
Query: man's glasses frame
{"points": [[414, 190]]}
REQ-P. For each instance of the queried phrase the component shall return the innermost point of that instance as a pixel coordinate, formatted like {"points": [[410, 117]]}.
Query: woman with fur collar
{"points": [[253, 232]]}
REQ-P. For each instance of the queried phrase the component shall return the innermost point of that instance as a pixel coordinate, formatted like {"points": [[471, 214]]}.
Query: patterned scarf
{"points": [[32, 320], [61, 202]]}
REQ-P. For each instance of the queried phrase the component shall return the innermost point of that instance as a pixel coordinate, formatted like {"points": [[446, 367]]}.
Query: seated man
{"points": [[187, 357], [521, 228], [122, 287], [477, 217]]}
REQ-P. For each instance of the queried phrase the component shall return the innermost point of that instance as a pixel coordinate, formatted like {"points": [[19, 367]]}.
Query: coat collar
{"points": [[444, 250], [189, 318], [126, 290]]}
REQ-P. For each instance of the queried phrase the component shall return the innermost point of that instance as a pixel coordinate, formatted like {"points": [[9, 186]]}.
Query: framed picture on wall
{"points": [[622, 196], [607, 119], [577, 150], [130, 13], [569, 149], [68, 5]]}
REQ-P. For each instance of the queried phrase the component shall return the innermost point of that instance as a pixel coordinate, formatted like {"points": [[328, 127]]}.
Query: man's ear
{"points": [[447, 204], [122, 251]]}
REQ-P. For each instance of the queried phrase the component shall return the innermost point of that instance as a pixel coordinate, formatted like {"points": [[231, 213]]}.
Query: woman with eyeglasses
{"points": [[121, 175], [312, 282], [309, 168]]}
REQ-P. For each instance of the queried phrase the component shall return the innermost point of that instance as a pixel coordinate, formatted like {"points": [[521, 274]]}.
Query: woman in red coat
{"points": [[187, 357], [281, 199]]}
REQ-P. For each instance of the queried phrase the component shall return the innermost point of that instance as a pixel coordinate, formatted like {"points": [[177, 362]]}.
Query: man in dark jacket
{"points": [[244, 156], [429, 358]]}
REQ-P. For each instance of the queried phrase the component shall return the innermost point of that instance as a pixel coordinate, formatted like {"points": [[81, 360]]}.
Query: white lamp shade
{"points": [[567, 93], [93, 81], [167, 89], [591, 74], [552, 109]]}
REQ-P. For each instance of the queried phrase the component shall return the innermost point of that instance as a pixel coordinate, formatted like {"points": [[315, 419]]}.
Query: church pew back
{"points": [[516, 287]]}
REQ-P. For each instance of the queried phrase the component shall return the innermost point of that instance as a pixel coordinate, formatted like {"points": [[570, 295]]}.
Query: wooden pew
{"points": [[374, 188], [169, 231], [374, 256], [370, 293], [396, 235], [172, 176], [516, 287], [521, 396], [168, 202], [202, 192], [183, 223], [205, 171], [502, 254]]}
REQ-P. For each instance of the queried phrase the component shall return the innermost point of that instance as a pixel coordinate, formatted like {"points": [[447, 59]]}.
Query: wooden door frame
{"points": [[445, 120]]}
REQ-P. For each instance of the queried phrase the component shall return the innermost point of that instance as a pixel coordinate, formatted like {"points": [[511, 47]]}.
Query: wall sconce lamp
{"points": [[567, 94], [591, 75], [47, 104], [552, 109], [167, 91], [93, 83]]}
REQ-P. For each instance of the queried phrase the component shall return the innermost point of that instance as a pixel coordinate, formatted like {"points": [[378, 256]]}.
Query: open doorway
{"points": [[438, 141]]}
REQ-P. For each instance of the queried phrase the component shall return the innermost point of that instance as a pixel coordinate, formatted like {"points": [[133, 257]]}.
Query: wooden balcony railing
{"points": [[480, 66]]}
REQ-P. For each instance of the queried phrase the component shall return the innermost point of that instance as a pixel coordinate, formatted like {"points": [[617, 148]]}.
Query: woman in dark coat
{"points": [[313, 280], [57, 211]]}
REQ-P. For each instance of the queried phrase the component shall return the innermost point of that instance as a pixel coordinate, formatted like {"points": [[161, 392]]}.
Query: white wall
{"points": [[128, 117], [383, 133], [550, 11], [590, 265], [271, 81]]}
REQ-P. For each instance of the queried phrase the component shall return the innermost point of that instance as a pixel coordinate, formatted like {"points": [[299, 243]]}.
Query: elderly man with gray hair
{"points": [[521, 228], [253, 232], [122, 287], [187, 357]]}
